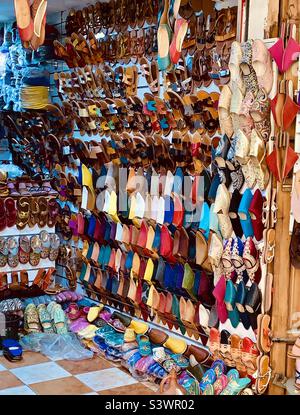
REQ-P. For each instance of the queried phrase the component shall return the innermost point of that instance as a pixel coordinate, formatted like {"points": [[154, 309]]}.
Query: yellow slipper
{"points": [[129, 335], [149, 270], [93, 313], [139, 327], [177, 346], [88, 332]]}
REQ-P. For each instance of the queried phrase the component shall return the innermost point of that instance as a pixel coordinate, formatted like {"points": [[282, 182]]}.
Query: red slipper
{"points": [[255, 210], [11, 212], [3, 223]]}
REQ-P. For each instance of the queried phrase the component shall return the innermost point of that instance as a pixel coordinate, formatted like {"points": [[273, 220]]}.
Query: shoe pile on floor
{"points": [[150, 354], [47, 319]]}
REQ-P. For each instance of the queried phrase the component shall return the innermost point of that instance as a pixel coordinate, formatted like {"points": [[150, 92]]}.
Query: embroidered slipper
{"points": [[45, 240], [23, 209], [235, 387], [13, 251], [94, 313], [59, 319], [31, 319], [262, 64], [73, 311], [45, 319], [36, 249], [54, 247]]}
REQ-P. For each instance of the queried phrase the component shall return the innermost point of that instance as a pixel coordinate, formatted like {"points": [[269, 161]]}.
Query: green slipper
{"points": [[45, 319], [235, 386], [59, 320]]}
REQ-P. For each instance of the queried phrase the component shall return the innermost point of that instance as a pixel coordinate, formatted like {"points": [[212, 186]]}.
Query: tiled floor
{"points": [[38, 375]]}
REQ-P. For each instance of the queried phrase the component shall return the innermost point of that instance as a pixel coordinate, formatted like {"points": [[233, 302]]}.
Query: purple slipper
{"points": [[68, 295], [105, 315], [58, 298], [63, 296], [79, 324], [73, 295]]}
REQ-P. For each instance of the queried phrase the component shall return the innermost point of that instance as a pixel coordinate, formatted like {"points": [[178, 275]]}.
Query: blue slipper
{"points": [[12, 350], [244, 214], [204, 220], [100, 343]]}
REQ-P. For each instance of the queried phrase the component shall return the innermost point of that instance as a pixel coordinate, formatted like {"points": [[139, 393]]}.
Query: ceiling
{"points": [[7, 12]]}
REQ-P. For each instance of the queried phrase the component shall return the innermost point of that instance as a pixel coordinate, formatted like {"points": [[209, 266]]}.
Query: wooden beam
{"points": [[272, 22], [280, 305]]}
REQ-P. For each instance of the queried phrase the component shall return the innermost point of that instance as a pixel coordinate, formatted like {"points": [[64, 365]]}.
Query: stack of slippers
{"points": [[12, 350]]}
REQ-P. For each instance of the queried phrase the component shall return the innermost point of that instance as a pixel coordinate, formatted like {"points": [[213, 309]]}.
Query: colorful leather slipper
{"points": [[244, 214], [255, 210]]}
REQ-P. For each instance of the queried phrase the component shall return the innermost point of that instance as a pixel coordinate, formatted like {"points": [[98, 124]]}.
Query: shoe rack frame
{"points": [[286, 285]]}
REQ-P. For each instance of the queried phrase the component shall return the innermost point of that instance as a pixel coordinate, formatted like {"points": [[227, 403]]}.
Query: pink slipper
{"points": [[219, 294], [180, 30], [262, 64], [292, 50], [86, 310], [277, 50], [73, 312], [105, 315]]}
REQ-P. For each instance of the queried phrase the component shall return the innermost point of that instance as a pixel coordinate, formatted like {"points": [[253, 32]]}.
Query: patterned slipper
{"points": [[45, 319], [59, 320]]}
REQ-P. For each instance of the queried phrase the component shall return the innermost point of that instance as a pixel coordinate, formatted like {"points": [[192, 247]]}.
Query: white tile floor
{"points": [[106, 379], [39, 377], [18, 390], [42, 372], [2, 368]]}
